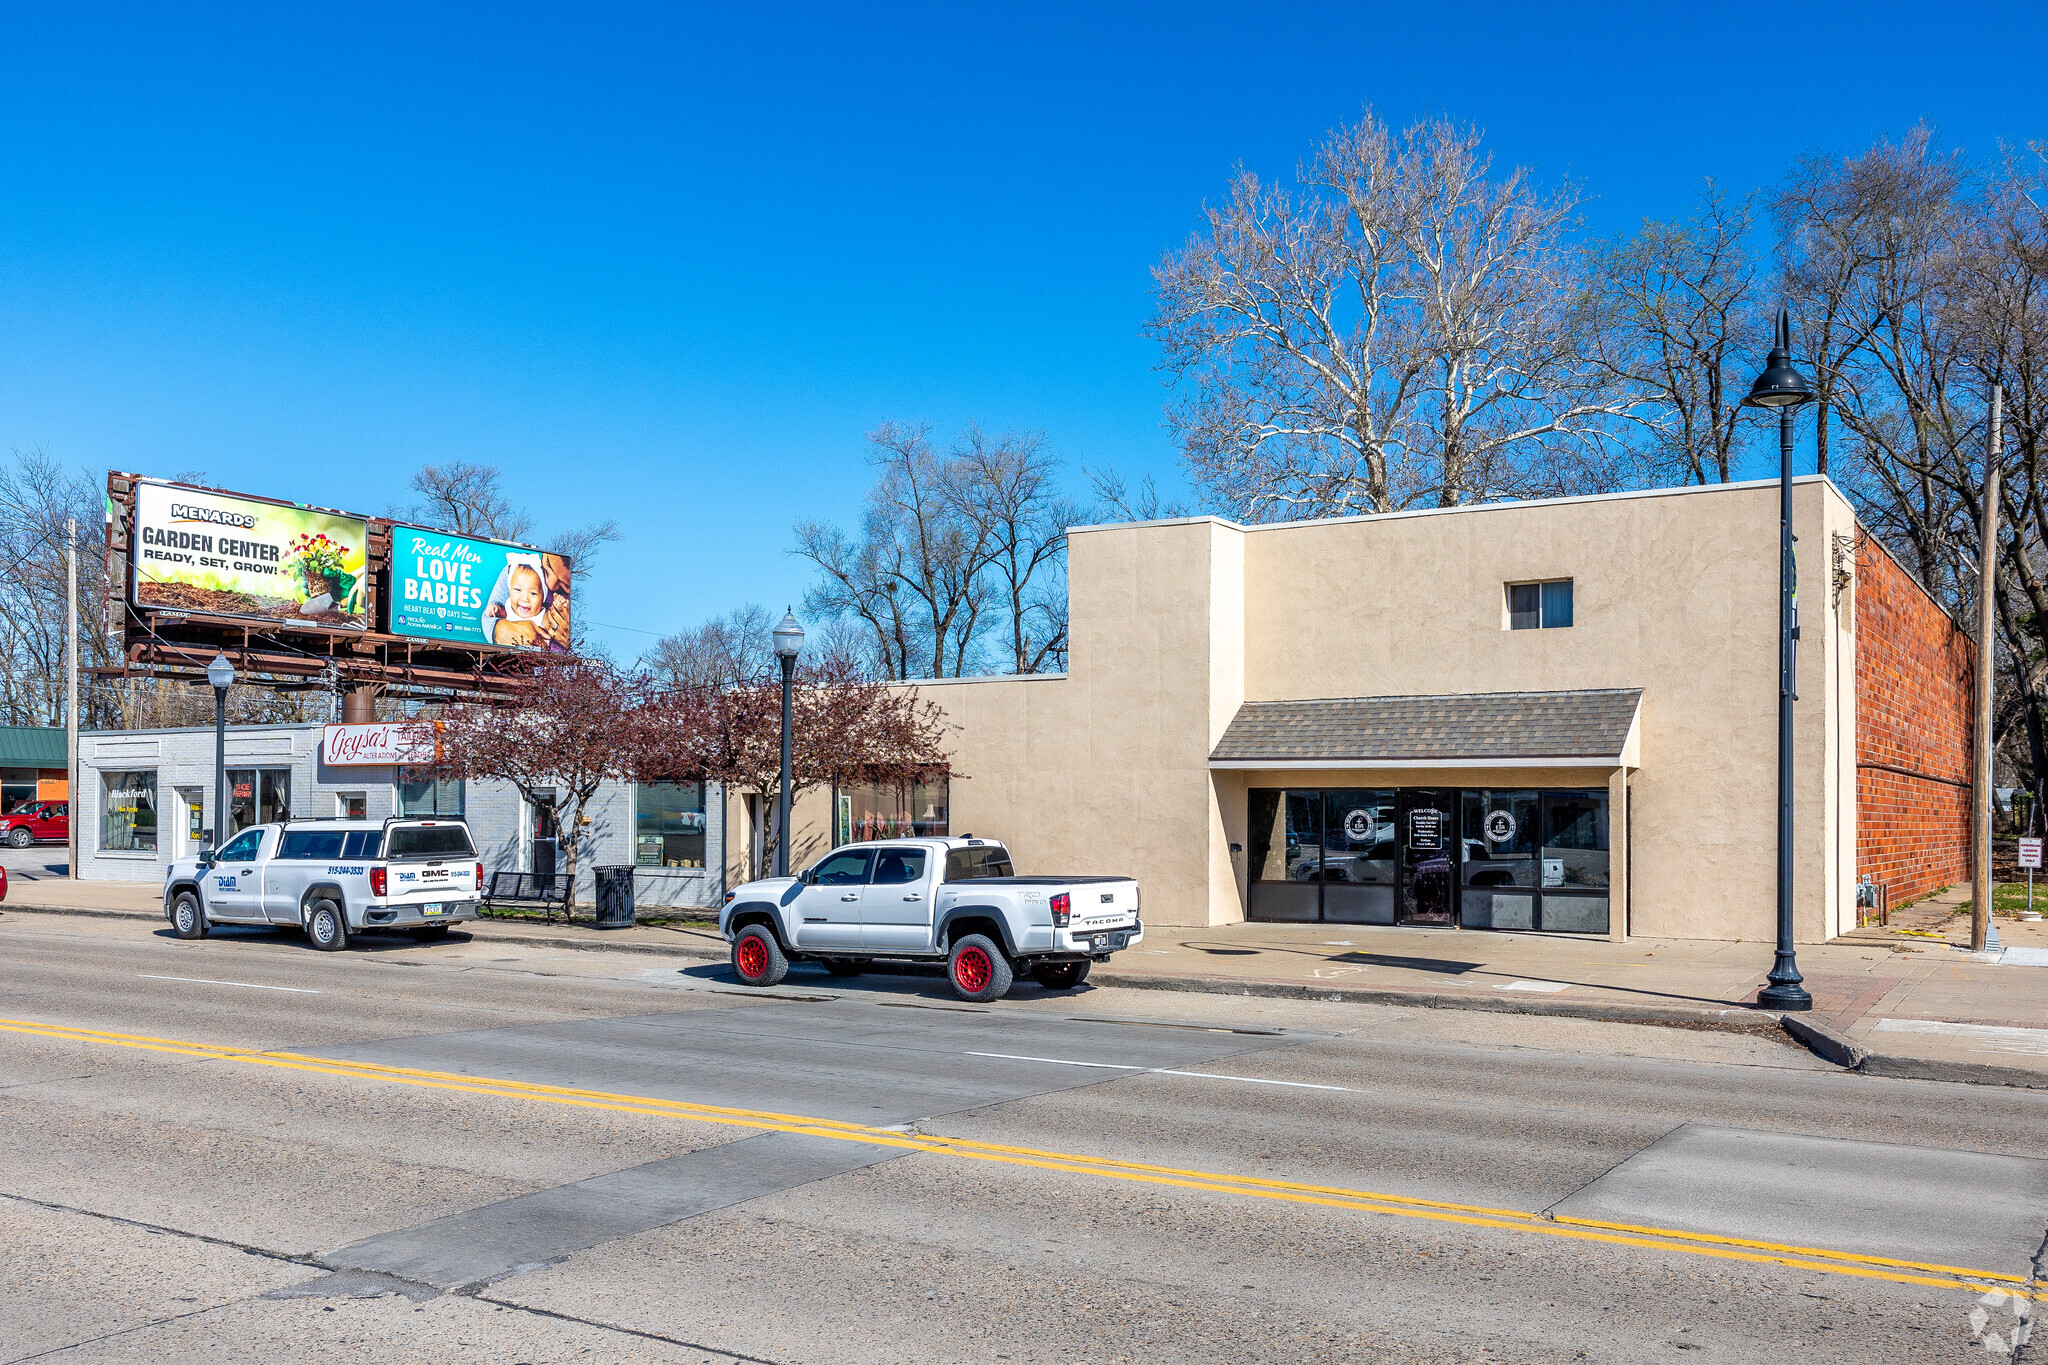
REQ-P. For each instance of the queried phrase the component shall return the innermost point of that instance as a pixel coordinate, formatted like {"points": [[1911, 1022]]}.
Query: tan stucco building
{"points": [[1549, 715]]}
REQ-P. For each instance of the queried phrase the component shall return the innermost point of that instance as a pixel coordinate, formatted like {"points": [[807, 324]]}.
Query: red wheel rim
{"points": [[972, 970], [752, 956]]}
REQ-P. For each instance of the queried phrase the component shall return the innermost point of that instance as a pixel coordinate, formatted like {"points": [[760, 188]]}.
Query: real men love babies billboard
{"points": [[477, 592]]}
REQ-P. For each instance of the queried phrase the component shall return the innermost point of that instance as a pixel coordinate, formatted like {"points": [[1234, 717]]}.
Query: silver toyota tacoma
{"points": [[957, 901]]}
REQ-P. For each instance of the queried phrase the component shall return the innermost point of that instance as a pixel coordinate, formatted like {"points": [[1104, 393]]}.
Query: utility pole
{"points": [[71, 801], [1983, 933]]}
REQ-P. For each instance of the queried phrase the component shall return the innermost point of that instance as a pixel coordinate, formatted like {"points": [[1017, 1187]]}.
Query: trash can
{"points": [[615, 898]]}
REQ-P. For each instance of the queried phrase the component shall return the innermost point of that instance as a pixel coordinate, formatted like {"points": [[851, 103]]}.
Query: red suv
{"points": [[42, 822]]}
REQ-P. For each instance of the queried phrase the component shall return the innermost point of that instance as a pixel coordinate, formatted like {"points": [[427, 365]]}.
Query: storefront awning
{"points": [[1464, 730]]}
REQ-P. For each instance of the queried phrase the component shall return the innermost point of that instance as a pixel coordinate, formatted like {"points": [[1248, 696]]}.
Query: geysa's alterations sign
{"points": [[227, 556], [477, 592]]}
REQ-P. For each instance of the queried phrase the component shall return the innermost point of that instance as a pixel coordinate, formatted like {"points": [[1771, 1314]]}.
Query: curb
{"points": [[1850, 1055], [689, 950], [1615, 1012], [1825, 1042]]}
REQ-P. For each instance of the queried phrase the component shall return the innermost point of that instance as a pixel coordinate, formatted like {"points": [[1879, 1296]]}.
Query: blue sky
{"points": [[669, 265]]}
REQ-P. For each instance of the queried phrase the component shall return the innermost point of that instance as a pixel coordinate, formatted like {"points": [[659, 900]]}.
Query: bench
{"points": [[525, 890]]}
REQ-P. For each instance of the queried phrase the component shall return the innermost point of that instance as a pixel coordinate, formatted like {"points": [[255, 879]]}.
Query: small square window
{"points": [[1544, 606], [352, 805]]}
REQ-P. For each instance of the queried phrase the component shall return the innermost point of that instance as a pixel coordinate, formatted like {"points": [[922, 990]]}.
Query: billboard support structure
{"points": [[295, 596]]}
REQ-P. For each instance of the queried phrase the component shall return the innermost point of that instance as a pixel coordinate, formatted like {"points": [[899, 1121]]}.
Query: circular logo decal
{"points": [[1500, 826], [1358, 826]]}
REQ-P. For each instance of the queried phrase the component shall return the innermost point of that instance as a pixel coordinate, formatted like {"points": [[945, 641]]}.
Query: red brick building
{"points": [[1915, 681]]}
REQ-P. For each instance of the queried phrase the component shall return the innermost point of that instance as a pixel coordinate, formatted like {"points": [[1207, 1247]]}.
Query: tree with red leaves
{"points": [[557, 743], [845, 730]]}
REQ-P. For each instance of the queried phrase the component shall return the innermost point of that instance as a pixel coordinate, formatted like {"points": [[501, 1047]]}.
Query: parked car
{"points": [[954, 900], [331, 878], [37, 822]]}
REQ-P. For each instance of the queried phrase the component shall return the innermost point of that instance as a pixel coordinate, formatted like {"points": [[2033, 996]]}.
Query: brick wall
{"points": [[1914, 685]]}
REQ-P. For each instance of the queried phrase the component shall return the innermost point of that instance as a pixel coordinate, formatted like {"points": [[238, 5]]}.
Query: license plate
{"points": [[1119, 939], [432, 909]]}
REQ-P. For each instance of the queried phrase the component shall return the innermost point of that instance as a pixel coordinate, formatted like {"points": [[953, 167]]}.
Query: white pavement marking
{"points": [[1547, 987], [2032, 1041], [245, 985], [1163, 1071]]}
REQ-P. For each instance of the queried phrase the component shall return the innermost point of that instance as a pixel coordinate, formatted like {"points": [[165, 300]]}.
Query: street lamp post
{"points": [[1785, 389], [789, 642], [221, 674]]}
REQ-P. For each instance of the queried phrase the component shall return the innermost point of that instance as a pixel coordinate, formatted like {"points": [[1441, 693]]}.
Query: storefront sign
{"points": [[477, 592], [221, 555], [2030, 853], [1500, 826], [1426, 830], [377, 746], [1358, 825]]}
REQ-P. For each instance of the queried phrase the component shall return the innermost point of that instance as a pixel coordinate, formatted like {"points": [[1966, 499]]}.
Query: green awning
{"points": [[31, 746]]}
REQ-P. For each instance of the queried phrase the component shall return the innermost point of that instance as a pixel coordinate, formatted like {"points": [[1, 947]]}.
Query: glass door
{"points": [[1358, 856], [1426, 836]]}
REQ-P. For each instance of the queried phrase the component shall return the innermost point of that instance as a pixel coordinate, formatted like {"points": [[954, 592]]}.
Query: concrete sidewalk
{"points": [[1908, 993]]}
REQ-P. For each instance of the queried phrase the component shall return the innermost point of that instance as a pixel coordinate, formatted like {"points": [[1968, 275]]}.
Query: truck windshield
{"points": [[974, 864], [428, 841]]}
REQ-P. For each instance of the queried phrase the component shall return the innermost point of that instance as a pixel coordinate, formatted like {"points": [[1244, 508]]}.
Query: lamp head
{"points": [[789, 637], [220, 672], [1780, 386]]}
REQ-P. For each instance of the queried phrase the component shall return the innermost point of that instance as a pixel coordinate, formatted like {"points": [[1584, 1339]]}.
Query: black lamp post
{"points": [[789, 642], [221, 674], [1785, 389]]}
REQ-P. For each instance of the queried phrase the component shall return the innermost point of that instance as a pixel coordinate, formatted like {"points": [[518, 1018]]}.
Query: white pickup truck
{"points": [[956, 901], [331, 878]]}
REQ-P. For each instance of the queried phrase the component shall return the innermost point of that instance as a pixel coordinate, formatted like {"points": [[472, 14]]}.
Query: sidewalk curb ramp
{"points": [[1825, 1042]]}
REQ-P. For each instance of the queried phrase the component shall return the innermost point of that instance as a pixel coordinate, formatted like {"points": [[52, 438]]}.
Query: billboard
{"points": [[477, 592], [217, 554]]}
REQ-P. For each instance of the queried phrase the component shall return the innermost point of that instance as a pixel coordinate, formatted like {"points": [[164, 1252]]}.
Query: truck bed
{"points": [[1036, 881]]}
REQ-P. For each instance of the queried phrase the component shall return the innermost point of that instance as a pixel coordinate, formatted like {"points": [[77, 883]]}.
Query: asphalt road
{"points": [[242, 1149]]}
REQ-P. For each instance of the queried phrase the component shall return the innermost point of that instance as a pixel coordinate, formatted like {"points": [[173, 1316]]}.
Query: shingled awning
{"points": [[1469, 729]]}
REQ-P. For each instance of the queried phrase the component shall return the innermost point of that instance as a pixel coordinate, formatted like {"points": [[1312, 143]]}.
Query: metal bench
{"points": [[525, 890]]}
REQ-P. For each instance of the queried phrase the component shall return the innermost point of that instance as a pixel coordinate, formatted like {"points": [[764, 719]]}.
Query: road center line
{"points": [[1798, 1258], [1162, 1071], [245, 985]]}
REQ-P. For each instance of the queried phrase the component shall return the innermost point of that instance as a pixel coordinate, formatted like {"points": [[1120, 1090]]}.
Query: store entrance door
{"points": [[1426, 823]]}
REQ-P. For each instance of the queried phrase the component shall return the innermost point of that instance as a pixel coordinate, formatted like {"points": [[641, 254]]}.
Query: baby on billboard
{"points": [[529, 606]]}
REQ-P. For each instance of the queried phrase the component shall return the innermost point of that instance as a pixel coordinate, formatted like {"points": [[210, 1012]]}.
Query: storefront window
{"points": [[17, 788], [128, 813], [668, 824], [258, 796], [909, 810], [1528, 859], [421, 793]]}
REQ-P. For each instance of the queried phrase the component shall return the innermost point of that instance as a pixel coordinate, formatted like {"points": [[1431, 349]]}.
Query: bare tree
{"points": [[1673, 313], [915, 575], [1395, 330], [1008, 487], [470, 500], [725, 651]]}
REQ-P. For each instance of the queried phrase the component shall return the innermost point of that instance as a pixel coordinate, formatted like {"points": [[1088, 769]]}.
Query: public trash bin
{"points": [[615, 898]]}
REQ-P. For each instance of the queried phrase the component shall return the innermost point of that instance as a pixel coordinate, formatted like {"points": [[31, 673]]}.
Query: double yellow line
{"points": [[1328, 1196]]}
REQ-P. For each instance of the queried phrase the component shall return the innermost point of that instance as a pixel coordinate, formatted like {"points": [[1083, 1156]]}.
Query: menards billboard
{"points": [[220, 555]]}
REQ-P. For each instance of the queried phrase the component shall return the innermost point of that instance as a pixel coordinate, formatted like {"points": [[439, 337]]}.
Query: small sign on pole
{"points": [[2030, 858]]}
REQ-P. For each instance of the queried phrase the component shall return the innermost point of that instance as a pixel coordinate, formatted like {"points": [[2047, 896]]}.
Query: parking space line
{"points": [[1162, 1071], [245, 985], [1810, 1259]]}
